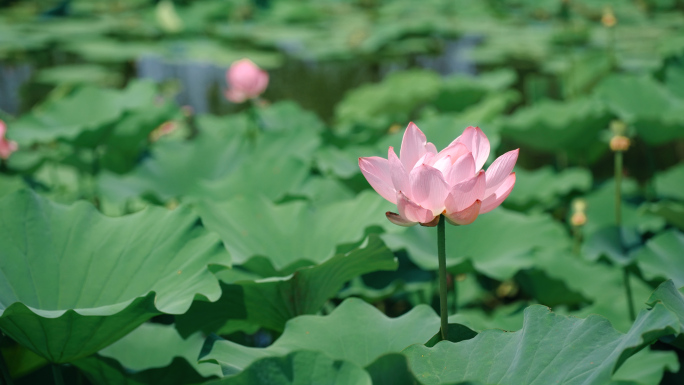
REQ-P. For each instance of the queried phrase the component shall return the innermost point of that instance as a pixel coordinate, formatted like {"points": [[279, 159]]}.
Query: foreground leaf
{"points": [[661, 257], [270, 303], [355, 331], [277, 239], [647, 367], [74, 281], [301, 367], [496, 244], [549, 349]]}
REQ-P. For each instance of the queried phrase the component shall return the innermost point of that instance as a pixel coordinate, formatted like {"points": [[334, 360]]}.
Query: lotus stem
{"points": [[618, 188], [57, 374], [441, 256], [618, 222]]}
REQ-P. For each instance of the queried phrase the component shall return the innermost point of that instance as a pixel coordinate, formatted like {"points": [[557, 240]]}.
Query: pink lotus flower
{"points": [[424, 183], [245, 80], [7, 147]]}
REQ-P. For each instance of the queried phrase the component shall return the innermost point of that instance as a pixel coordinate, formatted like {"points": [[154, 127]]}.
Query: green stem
{"points": [[454, 289], [441, 256], [618, 222], [57, 374], [628, 292], [618, 188]]}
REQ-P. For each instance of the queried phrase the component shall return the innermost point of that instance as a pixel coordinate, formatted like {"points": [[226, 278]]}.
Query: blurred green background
{"points": [[86, 86]]}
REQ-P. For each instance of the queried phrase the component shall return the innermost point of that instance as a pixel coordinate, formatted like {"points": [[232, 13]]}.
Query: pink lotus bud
{"points": [[425, 184], [163, 129], [245, 81], [7, 147]]}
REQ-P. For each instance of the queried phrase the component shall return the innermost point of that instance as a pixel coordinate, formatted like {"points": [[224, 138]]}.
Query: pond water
{"points": [[319, 86]]}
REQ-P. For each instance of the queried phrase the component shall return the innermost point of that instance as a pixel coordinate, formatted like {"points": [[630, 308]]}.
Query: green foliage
{"points": [[75, 281], [274, 239], [271, 303], [355, 331], [586, 352], [325, 289]]}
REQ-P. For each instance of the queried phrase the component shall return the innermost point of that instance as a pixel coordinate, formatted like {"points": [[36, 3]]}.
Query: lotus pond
{"points": [[200, 192]]}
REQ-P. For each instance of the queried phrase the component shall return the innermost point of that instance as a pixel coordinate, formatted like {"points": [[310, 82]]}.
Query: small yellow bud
{"points": [[506, 289], [619, 143], [579, 205], [608, 18], [578, 219], [618, 127], [394, 128]]}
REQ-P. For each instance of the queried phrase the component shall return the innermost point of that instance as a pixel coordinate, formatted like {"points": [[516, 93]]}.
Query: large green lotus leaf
{"points": [[581, 73], [511, 42], [661, 257], [459, 91], [355, 331], [377, 106], [107, 50], [129, 136], [286, 236], [544, 186], [74, 281], [671, 211], [288, 116], [392, 369], [646, 367], [547, 290], [549, 349], [212, 51], [506, 317], [175, 167], [601, 210], [300, 367], [78, 74], [81, 116], [222, 160], [151, 346], [618, 244], [646, 105], [10, 184], [270, 303], [103, 370], [552, 126], [675, 80], [343, 163], [602, 285], [268, 177], [323, 190], [670, 297], [669, 183], [497, 244]]}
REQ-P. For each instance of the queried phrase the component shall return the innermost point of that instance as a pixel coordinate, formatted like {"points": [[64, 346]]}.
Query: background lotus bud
{"points": [[619, 143], [245, 81], [7, 147]]}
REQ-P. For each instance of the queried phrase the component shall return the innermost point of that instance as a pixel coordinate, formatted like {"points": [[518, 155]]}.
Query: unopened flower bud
{"points": [[394, 128], [579, 205], [618, 127], [578, 219], [608, 18], [619, 143]]}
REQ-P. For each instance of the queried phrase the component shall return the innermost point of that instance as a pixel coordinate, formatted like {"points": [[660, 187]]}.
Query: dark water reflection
{"points": [[316, 86]]}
